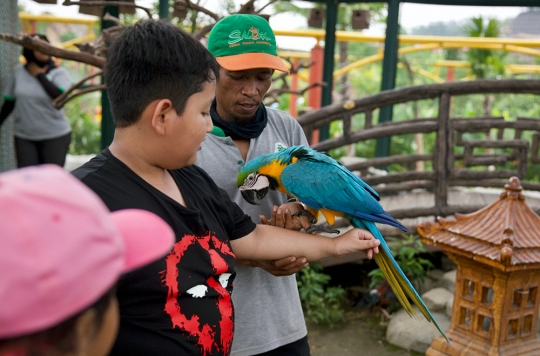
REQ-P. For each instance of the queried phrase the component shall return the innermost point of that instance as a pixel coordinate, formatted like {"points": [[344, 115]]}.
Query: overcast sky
{"points": [[411, 15]]}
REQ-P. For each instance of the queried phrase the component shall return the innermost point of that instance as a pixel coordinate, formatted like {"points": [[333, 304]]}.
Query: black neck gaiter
{"points": [[251, 129]]}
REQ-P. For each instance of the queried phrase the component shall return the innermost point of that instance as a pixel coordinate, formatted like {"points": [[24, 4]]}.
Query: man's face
{"points": [[239, 93]]}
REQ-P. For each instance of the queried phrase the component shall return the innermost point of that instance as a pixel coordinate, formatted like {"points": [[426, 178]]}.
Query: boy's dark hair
{"points": [[154, 60], [59, 339]]}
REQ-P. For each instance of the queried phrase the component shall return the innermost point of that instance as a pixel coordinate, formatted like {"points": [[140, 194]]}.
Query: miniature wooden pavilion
{"points": [[496, 299]]}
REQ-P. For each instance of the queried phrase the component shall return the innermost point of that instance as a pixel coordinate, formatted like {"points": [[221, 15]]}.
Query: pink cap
{"points": [[61, 249]]}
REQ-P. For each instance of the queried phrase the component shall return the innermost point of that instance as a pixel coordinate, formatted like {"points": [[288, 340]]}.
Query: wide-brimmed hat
{"points": [[240, 42], [61, 249]]}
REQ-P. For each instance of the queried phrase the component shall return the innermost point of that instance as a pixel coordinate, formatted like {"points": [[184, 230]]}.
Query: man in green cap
{"points": [[269, 318]]}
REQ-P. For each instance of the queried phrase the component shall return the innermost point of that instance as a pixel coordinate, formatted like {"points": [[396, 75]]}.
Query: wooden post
{"points": [[315, 76], [328, 63], [440, 164], [294, 86]]}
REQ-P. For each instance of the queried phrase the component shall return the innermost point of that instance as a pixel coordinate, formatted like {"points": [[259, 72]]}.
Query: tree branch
{"points": [[61, 98], [192, 6], [274, 93], [108, 3], [203, 31], [243, 10], [265, 5], [38, 45], [109, 17], [60, 104]]}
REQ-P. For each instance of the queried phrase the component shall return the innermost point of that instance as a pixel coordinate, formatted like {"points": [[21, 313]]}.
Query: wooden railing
{"points": [[453, 158]]}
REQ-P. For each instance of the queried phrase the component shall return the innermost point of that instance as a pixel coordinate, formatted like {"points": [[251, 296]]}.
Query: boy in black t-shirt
{"points": [[161, 84]]}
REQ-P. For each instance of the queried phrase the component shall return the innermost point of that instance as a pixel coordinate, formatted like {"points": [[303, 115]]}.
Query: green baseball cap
{"points": [[241, 42]]}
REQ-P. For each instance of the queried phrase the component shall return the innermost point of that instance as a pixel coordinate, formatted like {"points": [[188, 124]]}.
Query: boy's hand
{"points": [[356, 240], [282, 217], [283, 267]]}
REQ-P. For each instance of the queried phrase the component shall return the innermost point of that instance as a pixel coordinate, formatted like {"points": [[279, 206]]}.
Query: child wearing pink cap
{"points": [[161, 84], [61, 254]]}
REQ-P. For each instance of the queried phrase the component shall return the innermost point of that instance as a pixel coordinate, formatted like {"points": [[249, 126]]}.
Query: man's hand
{"points": [[356, 240], [279, 268], [36, 70], [282, 217]]}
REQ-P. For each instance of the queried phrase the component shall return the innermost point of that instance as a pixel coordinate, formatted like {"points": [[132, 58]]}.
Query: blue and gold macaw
{"points": [[325, 186]]}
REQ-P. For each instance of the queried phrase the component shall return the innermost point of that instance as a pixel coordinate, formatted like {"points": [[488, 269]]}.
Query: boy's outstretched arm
{"points": [[271, 243], [282, 217]]}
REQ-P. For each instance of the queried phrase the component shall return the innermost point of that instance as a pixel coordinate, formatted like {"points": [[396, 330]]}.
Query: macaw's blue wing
{"points": [[322, 183]]}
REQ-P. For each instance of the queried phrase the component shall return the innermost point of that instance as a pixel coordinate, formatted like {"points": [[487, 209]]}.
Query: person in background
{"points": [[61, 254], [161, 83], [244, 128], [42, 132]]}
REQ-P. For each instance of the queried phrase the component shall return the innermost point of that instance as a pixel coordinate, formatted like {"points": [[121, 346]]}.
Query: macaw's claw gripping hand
{"points": [[310, 216], [325, 186], [324, 227]]}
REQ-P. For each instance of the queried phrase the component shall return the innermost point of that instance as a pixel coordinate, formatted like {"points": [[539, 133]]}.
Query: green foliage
{"points": [[86, 132], [281, 7], [321, 304], [406, 252], [439, 28], [451, 54], [485, 63], [67, 36]]}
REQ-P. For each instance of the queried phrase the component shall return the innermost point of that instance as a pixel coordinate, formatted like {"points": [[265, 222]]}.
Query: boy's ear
{"points": [[162, 109]]}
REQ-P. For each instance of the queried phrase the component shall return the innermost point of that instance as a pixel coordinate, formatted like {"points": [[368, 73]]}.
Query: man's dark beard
{"points": [[239, 128], [237, 120]]}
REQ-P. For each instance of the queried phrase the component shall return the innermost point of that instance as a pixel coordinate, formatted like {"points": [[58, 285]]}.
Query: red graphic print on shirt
{"points": [[204, 333]]}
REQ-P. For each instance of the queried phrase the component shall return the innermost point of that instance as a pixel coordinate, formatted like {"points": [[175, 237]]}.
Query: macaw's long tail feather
{"points": [[397, 280], [389, 220]]}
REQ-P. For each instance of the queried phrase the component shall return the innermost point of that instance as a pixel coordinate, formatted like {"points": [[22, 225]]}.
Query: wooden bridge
{"points": [[509, 148]]}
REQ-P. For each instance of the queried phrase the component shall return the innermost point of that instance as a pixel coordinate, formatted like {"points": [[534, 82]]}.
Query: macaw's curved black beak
{"points": [[250, 194], [252, 188]]}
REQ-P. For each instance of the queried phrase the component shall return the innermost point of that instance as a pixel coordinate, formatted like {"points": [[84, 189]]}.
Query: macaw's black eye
{"points": [[262, 193]]}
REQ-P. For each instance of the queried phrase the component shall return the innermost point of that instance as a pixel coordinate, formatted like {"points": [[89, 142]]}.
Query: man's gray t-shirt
{"points": [[268, 313], [36, 118]]}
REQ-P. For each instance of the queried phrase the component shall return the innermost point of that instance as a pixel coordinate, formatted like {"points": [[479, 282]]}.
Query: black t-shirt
{"points": [[181, 304]]}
